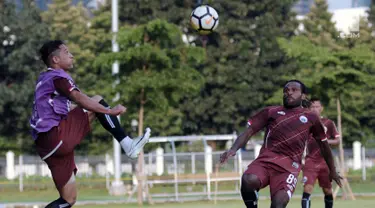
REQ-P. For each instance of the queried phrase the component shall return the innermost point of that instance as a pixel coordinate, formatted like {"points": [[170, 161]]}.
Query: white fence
{"points": [[179, 170]]}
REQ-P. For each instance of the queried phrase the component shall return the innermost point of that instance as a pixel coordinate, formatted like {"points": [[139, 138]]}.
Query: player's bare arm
{"points": [[334, 142], [320, 136], [335, 136], [87, 103], [256, 123], [241, 141]]}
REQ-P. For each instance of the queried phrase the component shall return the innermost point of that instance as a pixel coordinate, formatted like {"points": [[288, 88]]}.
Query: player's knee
{"points": [[71, 198], [250, 181], [327, 191], [97, 98], [308, 188], [280, 199]]}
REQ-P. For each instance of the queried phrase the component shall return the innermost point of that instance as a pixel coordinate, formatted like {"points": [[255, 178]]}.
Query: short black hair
{"points": [[303, 86], [48, 48], [314, 99]]}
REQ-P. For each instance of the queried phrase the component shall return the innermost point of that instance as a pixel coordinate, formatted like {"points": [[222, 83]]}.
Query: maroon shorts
{"points": [[273, 175], [316, 170], [56, 147]]}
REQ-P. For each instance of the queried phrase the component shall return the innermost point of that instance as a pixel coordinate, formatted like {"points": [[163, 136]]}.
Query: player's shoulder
{"points": [[56, 74], [310, 115], [327, 121], [274, 108]]}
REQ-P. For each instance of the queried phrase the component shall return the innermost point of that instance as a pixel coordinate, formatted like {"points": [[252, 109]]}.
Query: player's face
{"points": [[292, 95], [64, 59], [316, 107]]}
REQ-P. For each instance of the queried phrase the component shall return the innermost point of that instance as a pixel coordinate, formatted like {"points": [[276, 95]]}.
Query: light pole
{"points": [[117, 187]]}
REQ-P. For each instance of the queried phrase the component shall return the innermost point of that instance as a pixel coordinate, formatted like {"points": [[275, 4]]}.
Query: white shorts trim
{"points": [[53, 151]]}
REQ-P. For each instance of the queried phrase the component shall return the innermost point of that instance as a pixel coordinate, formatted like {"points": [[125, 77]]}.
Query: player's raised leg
{"points": [[280, 199], [250, 185], [282, 186], [132, 147], [254, 178]]}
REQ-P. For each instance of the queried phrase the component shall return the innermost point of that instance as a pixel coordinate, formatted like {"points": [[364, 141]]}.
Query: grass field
{"points": [[317, 202], [85, 193]]}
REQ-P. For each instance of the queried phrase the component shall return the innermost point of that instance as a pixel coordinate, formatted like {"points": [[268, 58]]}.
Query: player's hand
{"points": [[225, 156], [117, 110], [336, 177]]}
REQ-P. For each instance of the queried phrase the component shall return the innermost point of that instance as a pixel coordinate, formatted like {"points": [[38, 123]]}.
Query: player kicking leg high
{"points": [[279, 162], [57, 126], [315, 167]]}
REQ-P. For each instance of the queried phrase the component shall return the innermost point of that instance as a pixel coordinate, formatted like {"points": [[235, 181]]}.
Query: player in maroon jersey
{"points": [[287, 129], [315, 167]]}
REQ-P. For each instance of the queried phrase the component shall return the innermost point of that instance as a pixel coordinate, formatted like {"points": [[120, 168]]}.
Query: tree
{"points": [[244, 66], [321, 32], [20, 66], [71, 23], [87, 34], [318, 26], [157, 71], [336, 77]]}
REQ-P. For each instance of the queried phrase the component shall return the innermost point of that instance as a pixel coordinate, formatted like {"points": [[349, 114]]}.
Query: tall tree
{"points": [[71, 24], [20, 66], [156, 72], [245, 64], [319, 27]]}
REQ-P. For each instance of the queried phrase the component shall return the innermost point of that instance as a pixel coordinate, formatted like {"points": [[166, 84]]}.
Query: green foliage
{"points": [[245, 64], [335, 74], [20, 66], [157, 70]]}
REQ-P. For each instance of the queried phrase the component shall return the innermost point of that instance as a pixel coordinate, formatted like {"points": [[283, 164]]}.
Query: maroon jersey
{"points": [[287, 131], [313, 151]]}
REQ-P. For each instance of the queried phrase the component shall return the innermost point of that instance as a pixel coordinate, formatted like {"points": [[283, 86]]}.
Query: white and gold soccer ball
{"points": [[204, 19]]}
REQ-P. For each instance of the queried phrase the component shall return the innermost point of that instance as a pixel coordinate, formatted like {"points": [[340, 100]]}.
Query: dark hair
{"points": [[303, 86], [314, 99], [48, 48]]}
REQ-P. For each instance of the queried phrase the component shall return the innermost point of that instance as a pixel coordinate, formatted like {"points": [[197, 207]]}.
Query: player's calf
{"points": [[59, 203], [280, 199], [249, 190], [328, 198], [306, 201]]}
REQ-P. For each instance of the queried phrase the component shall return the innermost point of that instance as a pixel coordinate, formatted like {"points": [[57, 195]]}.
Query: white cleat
{"points": [[138, 144]]}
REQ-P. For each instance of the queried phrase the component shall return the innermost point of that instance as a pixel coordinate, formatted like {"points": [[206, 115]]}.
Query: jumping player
{"points": [[58, 126], [287, 129], [315, 167]]}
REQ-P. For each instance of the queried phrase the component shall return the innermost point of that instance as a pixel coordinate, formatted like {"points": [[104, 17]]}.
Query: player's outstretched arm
{"points": [[240, 142], [320, 136], [87, 103], [256, 123]]}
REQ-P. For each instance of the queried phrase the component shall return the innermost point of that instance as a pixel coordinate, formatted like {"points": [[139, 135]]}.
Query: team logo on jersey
{"points": [[303, 119], [281, 113]]}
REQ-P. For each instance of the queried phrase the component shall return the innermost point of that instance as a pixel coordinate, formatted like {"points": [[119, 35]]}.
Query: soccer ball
{"points": [[204, 19]]}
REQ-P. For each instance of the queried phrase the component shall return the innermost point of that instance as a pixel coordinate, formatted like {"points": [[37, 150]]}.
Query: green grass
{"points": [[100, 193], [316, 202]]}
